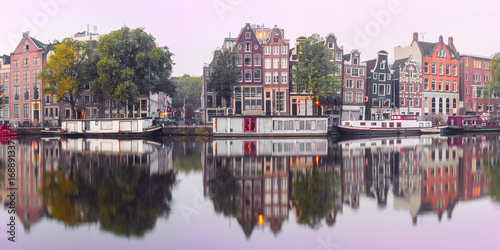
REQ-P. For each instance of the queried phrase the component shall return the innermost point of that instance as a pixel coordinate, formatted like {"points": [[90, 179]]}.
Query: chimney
{"points": [[415, 36], [450, 41], [440, 39]]}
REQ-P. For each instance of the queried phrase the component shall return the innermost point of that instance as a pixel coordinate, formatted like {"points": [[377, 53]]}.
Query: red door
{"points": [[250, 125]]}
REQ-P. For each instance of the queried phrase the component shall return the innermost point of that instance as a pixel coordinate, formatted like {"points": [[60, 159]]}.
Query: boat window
{"points": [[483, 124], [489, 124], [374, 124], [391, 124], [420, 124], [464, 122], [250, 125], [362, 124], [106, 125], [473, 122], [398, 124], [384, 124]]}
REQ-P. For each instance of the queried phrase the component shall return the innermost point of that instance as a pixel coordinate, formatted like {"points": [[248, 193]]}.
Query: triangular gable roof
{"points": [[248, 28], [38, 44]]}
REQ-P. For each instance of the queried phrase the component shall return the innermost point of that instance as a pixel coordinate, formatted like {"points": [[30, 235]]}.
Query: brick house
{"points": [[474, 74]]}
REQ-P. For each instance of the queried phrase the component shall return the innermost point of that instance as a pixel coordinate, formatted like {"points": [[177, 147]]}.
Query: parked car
{"points": [[165, 122]]}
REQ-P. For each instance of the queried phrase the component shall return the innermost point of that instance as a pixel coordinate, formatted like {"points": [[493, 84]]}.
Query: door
{"points": [[250, 125], [294, 109], [268, 107], [237, 106]]}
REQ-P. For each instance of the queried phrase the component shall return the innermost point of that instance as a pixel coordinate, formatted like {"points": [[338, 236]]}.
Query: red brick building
{"points": [[474, 74]]}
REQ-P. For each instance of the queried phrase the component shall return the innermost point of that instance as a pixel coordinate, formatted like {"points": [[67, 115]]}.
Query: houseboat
{"points": [[472, 124], [271, 126], [119, 128], [397, 125], [5, 131]]}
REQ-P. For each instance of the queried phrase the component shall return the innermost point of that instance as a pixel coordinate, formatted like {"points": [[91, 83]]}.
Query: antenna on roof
{"points": [[423, 36]]}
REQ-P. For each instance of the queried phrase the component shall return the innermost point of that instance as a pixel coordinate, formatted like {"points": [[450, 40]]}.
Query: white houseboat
{"points": [[397, 125], [273, 126], [125, 127]]}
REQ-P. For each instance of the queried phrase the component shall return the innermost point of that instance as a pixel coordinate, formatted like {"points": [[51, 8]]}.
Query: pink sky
{"points": [[192, 29]]}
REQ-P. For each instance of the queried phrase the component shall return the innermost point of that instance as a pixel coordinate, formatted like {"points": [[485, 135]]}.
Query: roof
{"points": [[370, 65], [426, 48], [347, 57], [38, 44], [398, 63]]}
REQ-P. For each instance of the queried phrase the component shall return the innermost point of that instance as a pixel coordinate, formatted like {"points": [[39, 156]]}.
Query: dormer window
{"points": [[355, 61], [330, 45], [382, 65], [26, 47]]}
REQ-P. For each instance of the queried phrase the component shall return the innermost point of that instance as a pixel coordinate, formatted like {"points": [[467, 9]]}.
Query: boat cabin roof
{"points": [[108, 119], [270, 116]]}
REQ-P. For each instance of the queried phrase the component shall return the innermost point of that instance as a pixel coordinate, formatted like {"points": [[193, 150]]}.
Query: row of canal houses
{"points": [[429, 79], [23, 100]]}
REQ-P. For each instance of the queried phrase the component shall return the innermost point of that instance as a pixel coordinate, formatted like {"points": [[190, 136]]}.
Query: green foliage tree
{"points": [[1, 96], [68, 70], [225, 75], [493, 87], [315, 68], [131, 65], [314, 196], [187, 88]]}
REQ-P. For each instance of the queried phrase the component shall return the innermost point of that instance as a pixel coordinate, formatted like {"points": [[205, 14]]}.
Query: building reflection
{"points": [[263, 172], [76, 180], [427, 176]]}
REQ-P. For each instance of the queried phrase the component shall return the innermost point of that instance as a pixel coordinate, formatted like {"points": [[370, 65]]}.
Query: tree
{"points": [[131, 65], [492, 87], [1, 96], [315, 68], [68, 70], [189, 89], [225, 75]]}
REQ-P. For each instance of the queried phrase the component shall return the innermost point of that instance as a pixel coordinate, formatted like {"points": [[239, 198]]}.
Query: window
{"points": [[86, 99], [381, 77], [26, 76], [355, 61], [248, 75], [389, 89], [6, 113], [348, 71], [247, 35], [283, 77], [267, 50], [410, 88], [440, 84], [403, 86], [417, 102], [280, 101], [355, 72], [348, 83], [35, 61], [330, 45], [447, 69], [403, 101], [348, 97], [361, 72], [26, 110], [381, 89], [388, 76], [256, 60], [238, 60], [248, 60], [276, 63], [240, 77], [284, 50], [25, 62], [15, 64], [359, 97], [36, 92], [433, 68], [417, 87], [253, 104], [248, 47], [16, 94], [5, 77], [6, 100], [382, 65], [268, 63], [426, 67], [283, 63], [410, 102], [359, 84], [6, 89], [338, 56], [375, 89], [448, 86], [276, 50], [440, 69], [35, 74], [455, 88], [256, 75], [410, 74], [26, 47], [252, 92], [16, 111], [433, 87], [275, 77], [210, 101], [268, 77]]}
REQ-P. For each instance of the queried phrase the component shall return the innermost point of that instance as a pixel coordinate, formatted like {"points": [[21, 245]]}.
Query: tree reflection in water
{"points": [[314, 196], [126, 200]]}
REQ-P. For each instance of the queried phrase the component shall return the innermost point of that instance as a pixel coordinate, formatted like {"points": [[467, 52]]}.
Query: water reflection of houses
{"points": [[263, 170], [34, 158]]}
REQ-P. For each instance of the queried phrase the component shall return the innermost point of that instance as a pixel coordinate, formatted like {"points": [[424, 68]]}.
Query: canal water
{"points": [[431, 192]]}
